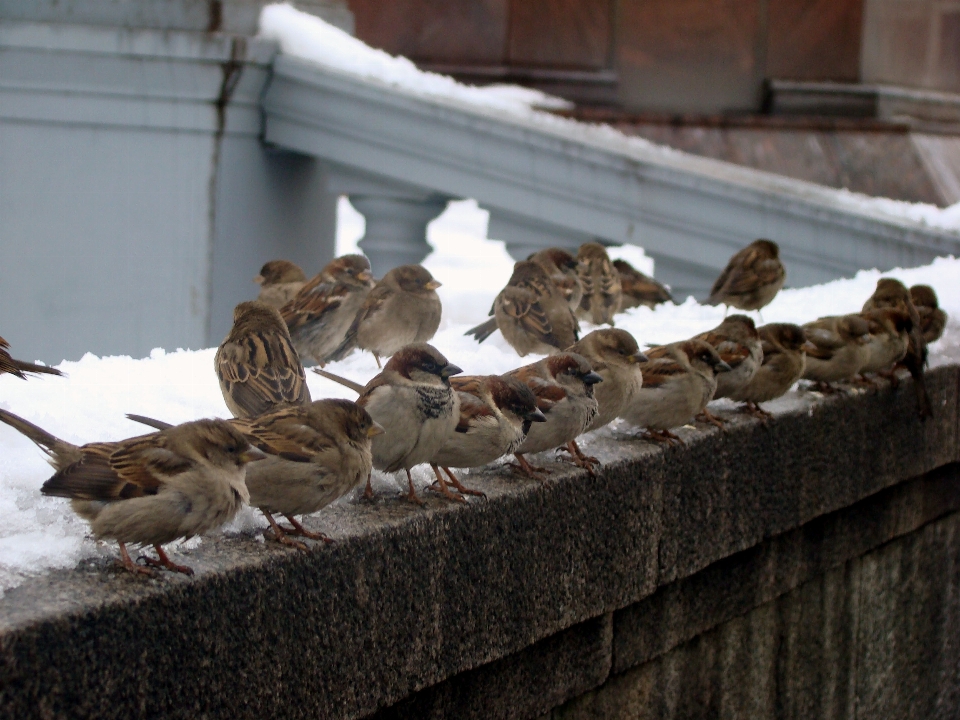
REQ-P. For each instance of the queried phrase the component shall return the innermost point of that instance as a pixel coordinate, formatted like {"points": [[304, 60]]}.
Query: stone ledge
{"points": [[408, 598]]}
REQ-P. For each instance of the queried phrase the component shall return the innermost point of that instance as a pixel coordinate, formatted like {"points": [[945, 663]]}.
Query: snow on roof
{"points": [[90, 403]]}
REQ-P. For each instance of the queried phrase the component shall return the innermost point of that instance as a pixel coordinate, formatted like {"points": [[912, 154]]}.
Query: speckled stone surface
{"points": [[408, 597]]}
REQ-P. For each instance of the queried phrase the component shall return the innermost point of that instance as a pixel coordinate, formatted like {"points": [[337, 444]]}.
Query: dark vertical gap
{"points": [[215, 16]]}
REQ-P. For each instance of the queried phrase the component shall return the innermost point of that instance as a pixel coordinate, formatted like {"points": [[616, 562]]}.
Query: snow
{"points": [[90, 403], [309, 38]]}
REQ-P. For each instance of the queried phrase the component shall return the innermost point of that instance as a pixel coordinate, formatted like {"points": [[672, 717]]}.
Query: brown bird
{"points": [[322, 312], [932, 319], [152, 489], [892, 293], [737, 342], [279, 281], [638, 289], [403, 308], [836, 348], [413, 401], [601, 285], [258, 367], [563, 268], [19, 367], [752, 278], [889, 339], [783, 363], [615, 356], [563, 385], [679, 380], [532, 313], [315, 454], [495, 415]]}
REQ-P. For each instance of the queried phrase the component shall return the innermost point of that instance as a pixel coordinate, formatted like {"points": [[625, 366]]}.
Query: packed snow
{"points": [[90, 403]]}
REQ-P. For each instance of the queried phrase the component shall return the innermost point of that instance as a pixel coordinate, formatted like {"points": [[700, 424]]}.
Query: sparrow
{"points": [[321, 313], [889, 339], [892, 293], [737, 342], [532, 313], [414, 403], [751, 279], [315, 454], [836, 348], [615, 356], [638, 289], [783, 363], [151, 489], [402, 308], [932, 319], [19, 367], [601, 285], [496, 413], [563, 268], [258, 367], [563, 385], [279, 281], [679, 380]]}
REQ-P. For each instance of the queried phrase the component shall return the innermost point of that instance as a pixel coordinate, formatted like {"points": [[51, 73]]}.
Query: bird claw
{"points": [[661, 436], [281, 537], [707, 416], [299, 529], [525, 468], [445, 492]]}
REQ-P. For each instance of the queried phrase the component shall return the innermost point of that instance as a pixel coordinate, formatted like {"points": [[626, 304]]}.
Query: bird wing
{"points": [[261, 372], [316, 299], [471, 409], [660, 369], [524, 306], [730, 351]]}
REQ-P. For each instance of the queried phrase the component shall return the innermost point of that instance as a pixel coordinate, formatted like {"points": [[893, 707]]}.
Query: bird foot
{"points": [[525, 468], [164, 561], [707, 416], [130, 566], [756, 411], [661, 436], [578, 458], [455, 481], [278, 535], [299, 529]]}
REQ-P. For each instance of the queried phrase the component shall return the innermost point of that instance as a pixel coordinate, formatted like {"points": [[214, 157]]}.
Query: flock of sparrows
{"points": [[289, 455]]}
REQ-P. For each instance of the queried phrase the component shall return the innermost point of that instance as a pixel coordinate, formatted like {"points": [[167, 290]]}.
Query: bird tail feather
{"points": [[484, 330]]}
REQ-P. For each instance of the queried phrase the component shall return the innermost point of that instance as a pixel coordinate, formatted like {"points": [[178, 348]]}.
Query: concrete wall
{"points": [[773, 570], [137, 201]]}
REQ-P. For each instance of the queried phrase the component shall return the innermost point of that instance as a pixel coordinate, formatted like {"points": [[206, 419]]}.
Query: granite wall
{"points": [[803, 566]]}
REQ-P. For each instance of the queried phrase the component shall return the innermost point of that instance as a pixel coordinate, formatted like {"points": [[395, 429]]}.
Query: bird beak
{"points": [[591, 378], [365, 276], [432, 285], [536, 416], [639, 358], [375, 429], [723, 367], [450, 370], [258, 279], [252, 454]]}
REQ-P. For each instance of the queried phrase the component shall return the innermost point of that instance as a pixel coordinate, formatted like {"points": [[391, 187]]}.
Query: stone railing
{"points": [[791, 568]]}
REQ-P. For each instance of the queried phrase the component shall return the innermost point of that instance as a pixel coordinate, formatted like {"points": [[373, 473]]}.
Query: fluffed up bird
{"points": [[752, 278], [316, 454], [601, 285], [563, 269], [320, 315], [679, 380], [783, 363], [532, 313], [279, 281], [21, 369], [413, 401], [563, 385], [836, 348], [891, 293], [403, 308], [737, 342], [932, 319], [638, 289], [889, 330], [495, 415], [152, 489], [258, 367], [615, 356]]}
